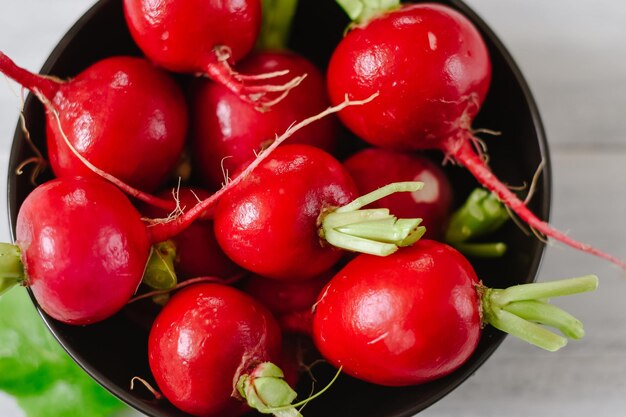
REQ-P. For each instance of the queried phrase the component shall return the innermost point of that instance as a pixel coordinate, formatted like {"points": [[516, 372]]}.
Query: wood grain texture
{"points": [[573, 55]]}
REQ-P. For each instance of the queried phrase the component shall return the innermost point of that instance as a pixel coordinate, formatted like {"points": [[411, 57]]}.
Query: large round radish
{"points": [[279, 222], [204, 37], [122, 114], [416, 315], [373, 168], [227, 132], [205, 342], [83, 248], [432, 71]]}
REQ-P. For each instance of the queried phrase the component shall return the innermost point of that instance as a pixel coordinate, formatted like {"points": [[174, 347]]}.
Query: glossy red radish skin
{"points": [[400, 320], [432, 70], [227, 132], [85, 253], [283, 297], [197, 251], [416, 315], [373, 168], [183, 36], [122, 114], [203, 340], [269, 223], [206, 38]]}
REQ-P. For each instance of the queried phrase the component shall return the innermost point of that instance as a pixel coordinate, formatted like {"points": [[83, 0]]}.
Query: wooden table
{"points": [[573, 55]]}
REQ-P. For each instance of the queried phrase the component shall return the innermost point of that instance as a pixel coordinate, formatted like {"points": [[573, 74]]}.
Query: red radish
{"points": [[122, 114], [203, 37], [207, 342], [277, 222], [374, 167], [416, 315], [197, 251], [227, 132], [282, 297], [432, 70], [83, 248]]}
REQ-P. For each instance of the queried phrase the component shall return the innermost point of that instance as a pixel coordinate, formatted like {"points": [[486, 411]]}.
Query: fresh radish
{"points": [[197, 251], [283, 297], [372, 168], [227, 132], [82, 248], [287, 218], [211, 347], [205, 37], [122, 114], [431, 69], [416, 315]]}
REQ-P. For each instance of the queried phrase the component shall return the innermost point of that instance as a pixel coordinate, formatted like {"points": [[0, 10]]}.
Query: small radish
{"points": [[416, 315], [283, 297], [122, 114], [204, 37], [227, 132], [197, 251], [284, 220], [82, 248], [211, 347], [372, 168], [432, 70]]}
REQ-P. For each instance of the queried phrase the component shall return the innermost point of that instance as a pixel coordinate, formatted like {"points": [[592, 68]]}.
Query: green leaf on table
{"points": [[34, 368]]}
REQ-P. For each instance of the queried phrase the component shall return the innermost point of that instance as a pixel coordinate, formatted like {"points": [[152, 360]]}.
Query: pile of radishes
{"points": [[278, 230]]}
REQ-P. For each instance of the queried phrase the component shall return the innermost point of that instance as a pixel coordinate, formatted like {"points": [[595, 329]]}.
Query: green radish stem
{"points": [[361, 11], [11, 267], [372, 231], [265, 390], [277, 19], [519, 311], [481, 214], [160, 273]]}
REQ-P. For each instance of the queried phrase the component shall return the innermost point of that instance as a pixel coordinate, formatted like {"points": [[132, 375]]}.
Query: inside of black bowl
{"points": [[115, 350]]}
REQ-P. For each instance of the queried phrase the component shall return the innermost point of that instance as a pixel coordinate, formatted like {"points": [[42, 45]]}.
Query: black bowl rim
{"points": [[537, 257]]}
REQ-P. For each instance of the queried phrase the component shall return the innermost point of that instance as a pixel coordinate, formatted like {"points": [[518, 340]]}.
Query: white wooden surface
{"points": [[573, 54]]}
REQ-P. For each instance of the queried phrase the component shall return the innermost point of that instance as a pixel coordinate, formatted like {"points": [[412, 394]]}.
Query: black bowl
{"points": [[115, 350]]}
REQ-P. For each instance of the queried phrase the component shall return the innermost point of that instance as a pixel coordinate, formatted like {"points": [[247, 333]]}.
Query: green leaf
{"points": [[34, 368]]}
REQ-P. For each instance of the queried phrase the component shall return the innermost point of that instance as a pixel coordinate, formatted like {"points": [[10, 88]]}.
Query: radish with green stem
{"points": [[417, 315], [288, 218], [211, 349], [122, 114], [432, 70]]}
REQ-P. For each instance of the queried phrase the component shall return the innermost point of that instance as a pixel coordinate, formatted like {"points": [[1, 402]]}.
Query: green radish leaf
{"points": [[41, 376]]}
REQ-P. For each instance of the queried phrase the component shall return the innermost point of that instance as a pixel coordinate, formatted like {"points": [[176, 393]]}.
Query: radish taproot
{"points": [[288, 213], [433, 203], [211, 347], [207, 38], [432, 70], [197, 251], [416, 315], [124, 115], [227, 132], [82, 247]]}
